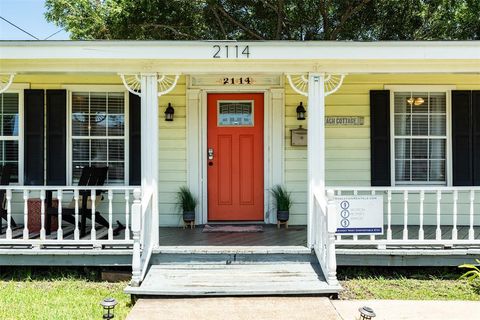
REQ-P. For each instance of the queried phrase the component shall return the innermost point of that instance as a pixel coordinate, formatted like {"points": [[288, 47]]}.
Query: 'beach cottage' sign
{"points": [[340, 121]]}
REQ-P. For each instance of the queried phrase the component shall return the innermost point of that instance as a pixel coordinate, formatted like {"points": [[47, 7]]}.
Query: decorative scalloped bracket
{"points": [[6, 80], [299, 83], [132, 81]]}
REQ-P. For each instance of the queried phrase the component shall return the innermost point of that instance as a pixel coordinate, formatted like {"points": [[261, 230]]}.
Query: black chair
{"points": [[5, 181], [90, 176]]}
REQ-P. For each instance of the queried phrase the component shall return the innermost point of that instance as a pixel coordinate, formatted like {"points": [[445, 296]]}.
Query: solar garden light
{"points": [[108, 305], [366, 313]]}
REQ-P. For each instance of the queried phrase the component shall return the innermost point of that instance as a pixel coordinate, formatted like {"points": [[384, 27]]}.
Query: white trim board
{"points": [[197, 143], [264, 50]]}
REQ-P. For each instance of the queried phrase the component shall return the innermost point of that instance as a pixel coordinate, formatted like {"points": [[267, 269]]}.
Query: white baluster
{"points": [[421, 233], [93, 233], [110, 213], [405, 215], [42, 215], [389, 215], [331, 227], [60, 217], [127, 214], [471, 232], [355, 237], [438, 231], [25, 215], [454, 229], [372, 237], [76, 232], [9, 214], [136, 228]]}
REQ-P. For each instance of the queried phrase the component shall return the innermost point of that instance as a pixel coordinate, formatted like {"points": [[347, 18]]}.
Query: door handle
{"points": [[210, 153]]}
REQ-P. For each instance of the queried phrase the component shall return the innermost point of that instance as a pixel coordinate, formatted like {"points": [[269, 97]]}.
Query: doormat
{"points": [[231, 228]]}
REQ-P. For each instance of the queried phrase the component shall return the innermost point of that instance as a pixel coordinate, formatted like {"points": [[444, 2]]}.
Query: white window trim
{"points": [[422, 88], [18, 88], [97, 88]]}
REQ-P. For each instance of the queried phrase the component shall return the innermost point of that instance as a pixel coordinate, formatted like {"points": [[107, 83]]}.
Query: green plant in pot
{"points": [[186, 203], [283, 202]]}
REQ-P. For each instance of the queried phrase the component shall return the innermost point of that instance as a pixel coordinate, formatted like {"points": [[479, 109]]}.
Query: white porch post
{"points": [[149, 144], [316, 146]]}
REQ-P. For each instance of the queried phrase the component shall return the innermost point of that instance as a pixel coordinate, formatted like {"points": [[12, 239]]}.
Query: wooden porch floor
{"points": [[271, 236], [293, 236]]}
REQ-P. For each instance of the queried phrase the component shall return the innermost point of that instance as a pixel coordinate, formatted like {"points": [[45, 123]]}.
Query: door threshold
{"points": [[237, 222]]}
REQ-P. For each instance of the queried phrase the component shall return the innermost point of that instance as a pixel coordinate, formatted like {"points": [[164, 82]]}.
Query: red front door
{"points": [[235, 157]]}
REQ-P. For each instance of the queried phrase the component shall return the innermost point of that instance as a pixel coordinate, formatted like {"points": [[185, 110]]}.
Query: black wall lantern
{"points": [[169, 112], [301, 112], [108, 305]]}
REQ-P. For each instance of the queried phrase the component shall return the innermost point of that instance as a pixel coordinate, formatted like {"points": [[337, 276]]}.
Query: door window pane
{"points": [[235, 113]]}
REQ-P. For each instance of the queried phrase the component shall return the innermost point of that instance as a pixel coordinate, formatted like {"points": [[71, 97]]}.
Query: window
{"points": [[420, 137], [235, 113], [9, 132], [98, 133]]}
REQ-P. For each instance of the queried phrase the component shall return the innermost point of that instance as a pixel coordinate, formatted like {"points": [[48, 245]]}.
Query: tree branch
{"points": [[346, 15], [238, 24], [323, 11], [280, 13], [220, 23]]}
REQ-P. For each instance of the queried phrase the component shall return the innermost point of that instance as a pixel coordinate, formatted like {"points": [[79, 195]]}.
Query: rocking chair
{"points": [[4, 181], [90, 176]]}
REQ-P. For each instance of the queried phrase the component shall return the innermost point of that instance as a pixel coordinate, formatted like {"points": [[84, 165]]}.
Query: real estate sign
{"points": [[361, 215]]}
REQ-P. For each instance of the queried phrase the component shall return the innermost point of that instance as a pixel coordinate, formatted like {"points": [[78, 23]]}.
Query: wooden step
{"points": [[233, 280]]}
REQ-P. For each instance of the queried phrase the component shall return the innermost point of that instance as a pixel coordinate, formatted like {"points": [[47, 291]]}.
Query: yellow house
{"points": [[376, 142]]}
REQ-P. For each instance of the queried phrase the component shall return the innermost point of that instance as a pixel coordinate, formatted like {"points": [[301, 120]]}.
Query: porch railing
{"points": [[324, 211], [415, 216], [114, 206], [142, 228]]}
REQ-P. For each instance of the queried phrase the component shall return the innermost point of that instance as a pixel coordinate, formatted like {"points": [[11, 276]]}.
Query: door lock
{"points": [[210, 153]]}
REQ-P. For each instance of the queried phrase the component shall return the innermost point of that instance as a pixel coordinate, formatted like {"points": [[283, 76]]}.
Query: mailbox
{"points": [[299, 136]]}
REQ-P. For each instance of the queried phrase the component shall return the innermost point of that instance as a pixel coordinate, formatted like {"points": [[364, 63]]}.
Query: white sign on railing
{"points": [[359, 214]]}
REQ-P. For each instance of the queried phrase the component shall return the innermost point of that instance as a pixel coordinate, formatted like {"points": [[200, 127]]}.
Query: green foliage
{"points": [[58, 293], [410, 283], [283, 198], [268, 19], [472, 274], [186, 201]]}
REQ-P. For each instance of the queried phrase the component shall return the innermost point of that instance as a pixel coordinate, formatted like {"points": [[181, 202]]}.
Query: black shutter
{"points": [[380, 138], [56, 137], [476, 137], [462, 138], [33, 149], [135, 173]]}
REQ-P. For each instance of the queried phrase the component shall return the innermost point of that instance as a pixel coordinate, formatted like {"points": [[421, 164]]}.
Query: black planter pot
{"points": [[283, 215], [188, 216]]}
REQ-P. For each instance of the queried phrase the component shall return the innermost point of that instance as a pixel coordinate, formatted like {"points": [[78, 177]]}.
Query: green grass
{"points": [[55, 293], [406, 284]]}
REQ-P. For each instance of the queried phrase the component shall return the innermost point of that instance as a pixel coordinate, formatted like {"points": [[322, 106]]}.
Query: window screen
{"points": [[9, 132], [420, 137], [98, 133]]}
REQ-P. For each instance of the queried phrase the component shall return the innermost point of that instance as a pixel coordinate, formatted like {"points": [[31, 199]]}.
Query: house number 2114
{"points": [[228, 51]]}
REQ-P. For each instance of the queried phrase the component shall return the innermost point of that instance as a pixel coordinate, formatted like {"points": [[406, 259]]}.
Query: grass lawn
{"points": [[57, 294], [406, 284], [75, 293]]}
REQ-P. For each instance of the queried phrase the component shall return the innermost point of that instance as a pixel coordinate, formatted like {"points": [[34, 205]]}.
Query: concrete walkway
{"points": [[293, 308]]}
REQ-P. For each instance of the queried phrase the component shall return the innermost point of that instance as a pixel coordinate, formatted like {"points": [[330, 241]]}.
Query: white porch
{"points": [[419, 221]]}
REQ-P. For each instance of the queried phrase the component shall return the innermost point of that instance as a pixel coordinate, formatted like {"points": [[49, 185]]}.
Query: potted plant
{"points": [[283, 202], [186, 203]]}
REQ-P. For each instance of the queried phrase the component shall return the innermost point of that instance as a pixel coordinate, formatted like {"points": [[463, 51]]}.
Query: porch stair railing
{"points": [[143, 240], [324, 243], [421, 216], [19, 233]]}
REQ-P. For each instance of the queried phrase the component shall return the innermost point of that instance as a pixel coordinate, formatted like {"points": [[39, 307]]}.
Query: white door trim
{"points": [[274, 136]]}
